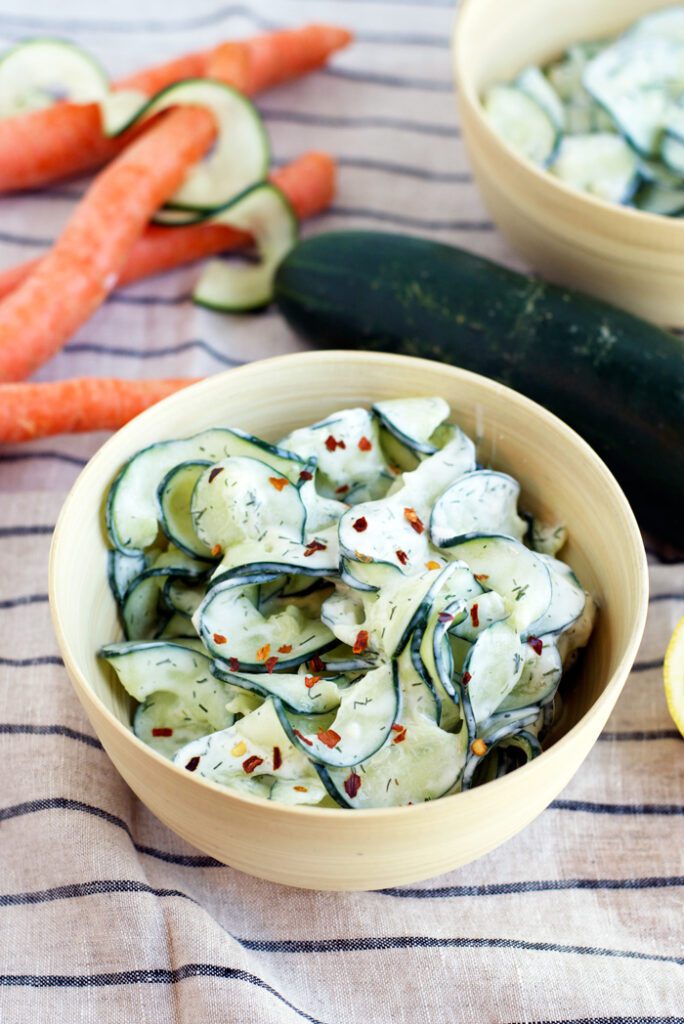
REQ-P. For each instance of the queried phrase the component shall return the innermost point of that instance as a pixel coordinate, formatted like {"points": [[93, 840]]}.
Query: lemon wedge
{"points": [[673, 672]]}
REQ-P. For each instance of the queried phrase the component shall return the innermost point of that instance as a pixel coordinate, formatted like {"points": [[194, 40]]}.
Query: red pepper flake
{"points": [[263, 652], [300, 789], [402, 556], [342, 490], [313, 546], [474, 615], [364, 444], [361, 642], [279, 482], [466, 678], [310, 681], [277, 759], [233, 664], [162, 731], [316, 664], [432, 566], [352, 785], [481, 576], [302, 737], [331, 444], [285, 649], [305, 475], [329, 737], [271, 664], [192, 764], [219, 638], [478, 747], [536, 644], [400, 731], [214, 473], [412, 517], [445, 617], [360, 524], [216, 551], [251, 763]]}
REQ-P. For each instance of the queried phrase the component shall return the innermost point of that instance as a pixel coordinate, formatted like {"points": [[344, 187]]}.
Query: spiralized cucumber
{"points": [[292, 645], [617, 108]]}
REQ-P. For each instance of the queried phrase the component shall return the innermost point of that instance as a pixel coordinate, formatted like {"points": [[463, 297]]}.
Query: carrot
{"points": [[277, 57], [30, 411], [308, 182], [46, 145], [86, 261]]}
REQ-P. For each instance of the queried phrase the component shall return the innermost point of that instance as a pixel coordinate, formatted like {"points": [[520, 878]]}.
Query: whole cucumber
{"points": [[617, 380]]}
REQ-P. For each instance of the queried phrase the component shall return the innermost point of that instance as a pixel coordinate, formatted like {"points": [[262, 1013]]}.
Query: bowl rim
{"points": [[332, 357], [542, 176]]}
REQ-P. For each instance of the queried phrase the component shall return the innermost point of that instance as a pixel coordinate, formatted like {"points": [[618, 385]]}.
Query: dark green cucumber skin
{"points": [[617, 380]]}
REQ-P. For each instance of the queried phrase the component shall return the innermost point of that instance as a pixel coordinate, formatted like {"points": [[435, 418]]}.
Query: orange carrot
{"points": [[308, 182], [277, 57], [46, 145], [29, 411], [85, 263]]}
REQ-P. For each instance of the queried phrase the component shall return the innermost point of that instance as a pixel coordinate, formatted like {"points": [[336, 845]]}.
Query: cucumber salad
{"points": [[608, 117], [356, 616]]}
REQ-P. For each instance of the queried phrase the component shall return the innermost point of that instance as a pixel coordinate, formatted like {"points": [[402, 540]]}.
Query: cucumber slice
{"points": [[347, 452], [421, 487], [132, 506], [522, 123], [660, 199], [250, 756], [403, 606], [483, 611], [241, 155], [667, 23], [317, 556], [181, 597], [421, 762], [509, 739], [519, 575], [298, 692], [361, 726], [547, 538], [567, 599], [493, 668], [41, 72], [120, 108], [633, 81], [672, 151], [321, 512], [122, 570], [536, 85], [232, 626], [601, 164], [266, 214], [419, 698], [478, 501], [175, 494], [413, 421], [241, 499], [176, 691], [565, 76], [344, 614], [539, 680], [577, 635], [142, 611], [386, 532]]}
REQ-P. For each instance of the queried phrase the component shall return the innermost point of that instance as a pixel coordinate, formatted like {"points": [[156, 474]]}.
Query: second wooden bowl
{"points": [[562, 480], [629, 258]]}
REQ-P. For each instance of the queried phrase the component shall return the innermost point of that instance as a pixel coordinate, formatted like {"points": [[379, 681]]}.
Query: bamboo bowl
{"points": [[631, 259], [337, 849]]}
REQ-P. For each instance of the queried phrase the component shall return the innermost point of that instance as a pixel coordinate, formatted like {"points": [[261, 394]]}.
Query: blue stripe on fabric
{"points": [[76, 891], [72, 460], [66, 804], [534, 886], [589, 807], [401, 220], [640, 1019], [25, 599], [368, 943], [25, 531], [20, 729], [44, 659], [80, 347], [392, 81], [151, 976], [407, 170], [345, 121], [640, 735]]}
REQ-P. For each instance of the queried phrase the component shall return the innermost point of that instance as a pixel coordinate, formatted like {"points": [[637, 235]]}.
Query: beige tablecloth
{"points": [[105, 915]]}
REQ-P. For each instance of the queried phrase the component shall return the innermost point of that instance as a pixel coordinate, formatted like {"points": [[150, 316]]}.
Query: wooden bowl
{"points": [[317, 848], [629, 258]]}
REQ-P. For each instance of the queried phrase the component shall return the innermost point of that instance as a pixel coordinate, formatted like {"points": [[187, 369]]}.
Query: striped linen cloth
{"points": [[106, 916]]}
